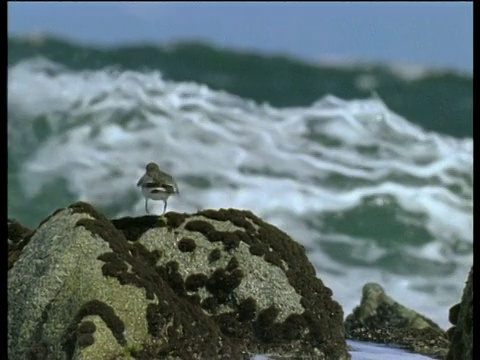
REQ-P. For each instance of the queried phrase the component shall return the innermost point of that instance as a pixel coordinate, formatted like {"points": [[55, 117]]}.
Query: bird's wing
{"points": [[169, 188], [142, 180], [174, 185], [170, 183]]}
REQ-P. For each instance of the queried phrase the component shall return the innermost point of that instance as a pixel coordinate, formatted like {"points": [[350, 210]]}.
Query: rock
{"points": [[18, 237], [211, 285], [381, 319], [461, 316]]}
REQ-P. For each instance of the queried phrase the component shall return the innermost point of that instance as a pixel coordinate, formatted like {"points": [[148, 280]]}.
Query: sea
{"points": [[368, 166]]}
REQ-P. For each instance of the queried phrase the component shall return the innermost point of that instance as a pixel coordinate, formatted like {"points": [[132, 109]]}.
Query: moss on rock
{"points": [[130, 287]]}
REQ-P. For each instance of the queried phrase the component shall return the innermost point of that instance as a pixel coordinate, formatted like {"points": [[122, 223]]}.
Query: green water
{"points": [[441, 101]]}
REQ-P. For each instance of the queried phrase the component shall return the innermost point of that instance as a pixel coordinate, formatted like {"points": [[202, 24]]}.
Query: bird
{"points": [[157, 185]]}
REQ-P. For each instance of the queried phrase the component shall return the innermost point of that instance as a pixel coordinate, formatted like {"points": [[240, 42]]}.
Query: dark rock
{"points": [[461, 316], [18, 237], [381, 319], [16, 231], [454, 313]]}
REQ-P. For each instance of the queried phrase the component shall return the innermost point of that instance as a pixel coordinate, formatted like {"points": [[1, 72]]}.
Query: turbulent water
{"points": [[371, 195]]}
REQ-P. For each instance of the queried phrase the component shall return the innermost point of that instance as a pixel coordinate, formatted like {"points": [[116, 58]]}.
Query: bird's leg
{"points": [[164, 207], [146, 207]]}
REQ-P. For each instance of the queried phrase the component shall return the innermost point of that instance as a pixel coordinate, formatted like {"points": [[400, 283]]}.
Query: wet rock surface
{"points": [[461, 316], [381, 319], [218, 284]]}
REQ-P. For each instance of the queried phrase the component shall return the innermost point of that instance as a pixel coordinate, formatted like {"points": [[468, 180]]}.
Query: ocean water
{"points": [[368, 351], [373, 196]]}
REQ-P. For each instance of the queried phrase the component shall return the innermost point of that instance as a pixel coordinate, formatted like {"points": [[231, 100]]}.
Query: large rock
{"points": [[212, 285], [381, 319], [461, 316]]}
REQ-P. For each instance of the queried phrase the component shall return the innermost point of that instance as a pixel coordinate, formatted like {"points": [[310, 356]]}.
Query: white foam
{"points": [[275, 162], [371, 351]]}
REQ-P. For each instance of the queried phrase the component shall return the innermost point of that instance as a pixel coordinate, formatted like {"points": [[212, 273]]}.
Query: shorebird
{"points": [[157, 185]]}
